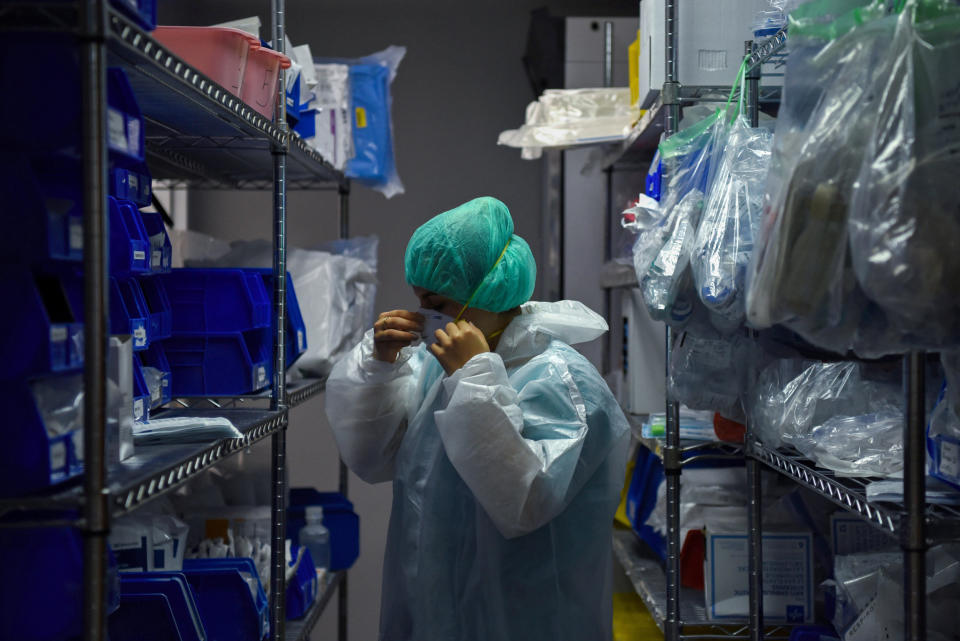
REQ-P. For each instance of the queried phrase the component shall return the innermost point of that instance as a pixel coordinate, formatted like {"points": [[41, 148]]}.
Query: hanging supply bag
{"points": [[905, 215]]}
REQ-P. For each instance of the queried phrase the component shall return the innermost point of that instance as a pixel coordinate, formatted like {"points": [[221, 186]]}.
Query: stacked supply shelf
{"points": [[915, 513], [190, 131]]}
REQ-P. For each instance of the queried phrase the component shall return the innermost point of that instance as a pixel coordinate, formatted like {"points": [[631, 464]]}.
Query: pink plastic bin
{"points": [[260, 79], [220, 53]]}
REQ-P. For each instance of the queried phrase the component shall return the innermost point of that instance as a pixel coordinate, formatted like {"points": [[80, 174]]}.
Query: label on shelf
{"points": [[77, 436], [58, 456], [949, 463], [852, 535], [133, 135], [300, 346], [58, 333], [156, 258], [139, 254], [76, 235], [261, 377], [116, 131], [140, 336], [138, 409]]}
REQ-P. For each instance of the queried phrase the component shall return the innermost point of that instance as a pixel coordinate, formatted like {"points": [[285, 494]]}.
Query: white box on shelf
{"points": [[787, 577], [644, 352], [710, 38]]}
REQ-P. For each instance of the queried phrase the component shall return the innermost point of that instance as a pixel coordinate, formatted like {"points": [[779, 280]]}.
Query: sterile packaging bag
{"points": [[334, 135], [661, 254], [799, 272], [119, 400], [563, 118], [904, 223], [372, 162], [791, 397], [709, 372], [724, 239]]}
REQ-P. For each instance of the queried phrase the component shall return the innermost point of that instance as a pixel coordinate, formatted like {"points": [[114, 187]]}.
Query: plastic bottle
{"points": [[316, 538]]}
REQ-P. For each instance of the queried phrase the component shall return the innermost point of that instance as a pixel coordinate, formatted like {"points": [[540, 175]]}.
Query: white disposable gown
{"points": [[506, 476]]}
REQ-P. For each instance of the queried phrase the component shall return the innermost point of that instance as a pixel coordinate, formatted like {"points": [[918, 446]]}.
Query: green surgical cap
{"points": [[460, 254]]}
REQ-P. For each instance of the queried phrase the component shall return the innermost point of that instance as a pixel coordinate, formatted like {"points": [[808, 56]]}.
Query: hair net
{"points": [[471, 255]]}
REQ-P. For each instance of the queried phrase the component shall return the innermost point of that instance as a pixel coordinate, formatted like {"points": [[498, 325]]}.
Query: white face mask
{"points": [[433, 320]]}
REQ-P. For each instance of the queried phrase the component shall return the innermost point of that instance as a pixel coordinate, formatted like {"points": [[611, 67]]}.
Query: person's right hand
{"points": [[393, 331]]}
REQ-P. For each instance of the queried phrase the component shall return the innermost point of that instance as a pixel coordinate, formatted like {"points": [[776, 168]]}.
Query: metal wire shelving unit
{"points": [[913, 522], [198, 135]]}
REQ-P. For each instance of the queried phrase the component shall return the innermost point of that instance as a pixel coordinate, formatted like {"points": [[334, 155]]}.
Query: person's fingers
{"points": [[436, 350], [403, 313], [443, 338], [395, 335], [452, 330], [396, 322]]}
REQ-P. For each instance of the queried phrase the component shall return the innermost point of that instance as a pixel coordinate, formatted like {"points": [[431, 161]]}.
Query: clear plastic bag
{"points": [[862, 445], [792, 397], [710, 372], [661, 255], [904, 224], [724, 240], [799, 271]]}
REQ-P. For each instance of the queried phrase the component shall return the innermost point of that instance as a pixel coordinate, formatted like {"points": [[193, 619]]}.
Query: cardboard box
{"points": [[787, 577], [850, 534]]}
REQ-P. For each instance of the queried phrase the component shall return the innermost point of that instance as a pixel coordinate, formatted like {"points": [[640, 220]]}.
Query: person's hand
{"points": [[393, 331], [457, 344]]}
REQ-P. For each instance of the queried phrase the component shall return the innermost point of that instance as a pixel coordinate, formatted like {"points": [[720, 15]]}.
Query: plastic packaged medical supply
{"points": [[904, 227], [373, 163], [661, 254], [708, 372], [798, 273], [724, 239], [792, 397], [333, 137], [569, 117]]}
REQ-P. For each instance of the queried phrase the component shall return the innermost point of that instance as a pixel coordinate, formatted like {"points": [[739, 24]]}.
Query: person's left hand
{"points": [[456, 345]]}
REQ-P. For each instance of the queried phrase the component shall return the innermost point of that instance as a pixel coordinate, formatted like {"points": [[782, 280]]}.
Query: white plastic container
{"points": [[316, 538]]}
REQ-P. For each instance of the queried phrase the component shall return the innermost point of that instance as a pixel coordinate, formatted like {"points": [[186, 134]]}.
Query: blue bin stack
{"points": [[222, 336]]}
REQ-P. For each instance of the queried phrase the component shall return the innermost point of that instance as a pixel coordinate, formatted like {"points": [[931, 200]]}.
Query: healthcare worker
{"points": [[505, 446]]}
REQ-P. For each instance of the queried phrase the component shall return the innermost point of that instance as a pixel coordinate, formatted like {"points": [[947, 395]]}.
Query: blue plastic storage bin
{"points": [[218, 365], [216, 301], [42, 201], [143, 12], [296, 333], [338, 517], [303, 586], [130, 180], [129, 243], [129, 314], [43, 437], [181, 599], [813, 633], [144, 617], [158, 307], [40, 333], [42, 570], [161, 252], [124, 121], [227, 608]]}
